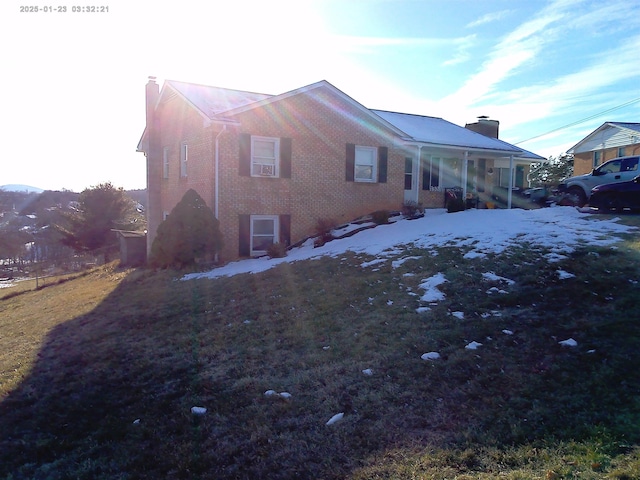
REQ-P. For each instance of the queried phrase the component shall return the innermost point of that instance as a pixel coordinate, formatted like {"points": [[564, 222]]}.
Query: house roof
{"points": [[213, 101], [435, 131], [221, 104], [632, 128]]}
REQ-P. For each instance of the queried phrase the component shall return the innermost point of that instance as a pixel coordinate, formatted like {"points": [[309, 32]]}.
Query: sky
{"points": [[73, 82], [478, 232]]}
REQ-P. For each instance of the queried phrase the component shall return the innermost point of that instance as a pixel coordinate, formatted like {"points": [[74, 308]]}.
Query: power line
{"points": [[581, 121]]}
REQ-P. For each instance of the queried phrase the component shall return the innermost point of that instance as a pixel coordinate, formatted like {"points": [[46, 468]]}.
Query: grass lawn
{"points": [[98, 374]]}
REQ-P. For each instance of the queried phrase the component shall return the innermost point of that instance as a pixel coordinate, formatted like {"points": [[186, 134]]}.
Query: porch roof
{"points": [[438, 132]]}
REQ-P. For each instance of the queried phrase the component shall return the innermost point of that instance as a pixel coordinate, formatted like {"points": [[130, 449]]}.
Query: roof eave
{"points": [[462, 148]]}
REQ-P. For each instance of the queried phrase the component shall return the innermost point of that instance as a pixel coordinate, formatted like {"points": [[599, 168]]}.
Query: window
{"points": [[620, 152], [430, 172], [408, 173], [264, 156], [596, 159], [629, 164], [183, 159], [366, 160], [503, 177], [264, 232], [165, 162]]}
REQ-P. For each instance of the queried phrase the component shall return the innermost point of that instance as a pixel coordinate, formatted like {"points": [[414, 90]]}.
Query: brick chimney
{"points": [[485, 126], [152, 92], [154, 162]]}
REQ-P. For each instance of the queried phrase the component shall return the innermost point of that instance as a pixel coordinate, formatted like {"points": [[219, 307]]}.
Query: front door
{"points": [[410, 180]]}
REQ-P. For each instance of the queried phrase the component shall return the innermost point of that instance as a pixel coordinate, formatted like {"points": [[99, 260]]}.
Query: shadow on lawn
{"points": [[111, 392], [75, 414]]}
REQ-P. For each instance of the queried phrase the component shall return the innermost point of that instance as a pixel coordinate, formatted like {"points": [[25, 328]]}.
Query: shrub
{"points": [[380, 217], [277, 250], [190, 233], [411, 209], [323, 228]]}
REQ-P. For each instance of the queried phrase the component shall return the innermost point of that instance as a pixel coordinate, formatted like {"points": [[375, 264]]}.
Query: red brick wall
{"points": [[317, 187]]}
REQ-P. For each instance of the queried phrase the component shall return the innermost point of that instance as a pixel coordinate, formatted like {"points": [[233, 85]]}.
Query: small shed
{"points": [[133, 248]]}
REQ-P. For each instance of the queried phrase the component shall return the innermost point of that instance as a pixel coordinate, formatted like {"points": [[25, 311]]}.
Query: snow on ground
{"points": [[560, 229], [430, 286]]}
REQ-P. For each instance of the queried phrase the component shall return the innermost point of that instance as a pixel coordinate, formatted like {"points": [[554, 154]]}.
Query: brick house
{"points": [[609, 140], [271, 166]]}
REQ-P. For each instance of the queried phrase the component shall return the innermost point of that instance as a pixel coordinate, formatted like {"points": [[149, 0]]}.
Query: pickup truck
{"points": [[619, 169]]}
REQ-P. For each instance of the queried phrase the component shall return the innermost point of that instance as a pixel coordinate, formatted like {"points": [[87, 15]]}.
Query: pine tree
{"points": [[190, 233]]}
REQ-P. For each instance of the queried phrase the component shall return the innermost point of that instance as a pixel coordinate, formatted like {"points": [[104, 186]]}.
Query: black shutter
{"points": [[285, 229], [244, 235], [244, 168], [383, 154], [285, 158], [351, 162]]}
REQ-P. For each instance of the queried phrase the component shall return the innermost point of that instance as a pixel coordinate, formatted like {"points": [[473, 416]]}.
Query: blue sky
{"points": [[73, 82]]}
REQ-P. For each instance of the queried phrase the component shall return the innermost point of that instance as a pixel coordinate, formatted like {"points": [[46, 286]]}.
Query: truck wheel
{"points": [[577, 196]]}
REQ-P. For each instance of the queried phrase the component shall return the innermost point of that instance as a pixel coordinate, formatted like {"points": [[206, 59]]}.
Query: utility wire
{"points": [[630, 102]]}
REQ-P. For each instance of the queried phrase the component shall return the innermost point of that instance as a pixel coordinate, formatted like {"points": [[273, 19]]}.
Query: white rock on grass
{"points": [[473, 346], [274, 394], [507, 332], [198, 410], [336, 418], [367, 372], [569, 342], [430, 356], [458, 315]]}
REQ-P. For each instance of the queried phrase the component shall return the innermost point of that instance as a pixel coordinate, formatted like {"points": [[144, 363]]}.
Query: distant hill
{"points": [[21, 188]]}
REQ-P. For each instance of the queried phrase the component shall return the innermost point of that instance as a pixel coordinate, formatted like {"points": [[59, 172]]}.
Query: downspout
{"points": [[510, 181], [216, 209], [216, 173]]}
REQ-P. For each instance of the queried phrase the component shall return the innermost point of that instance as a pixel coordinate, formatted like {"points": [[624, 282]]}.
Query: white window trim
{"points": [[374, 170], [267, 166], [165, 162], [276, 230], [184, 158]]}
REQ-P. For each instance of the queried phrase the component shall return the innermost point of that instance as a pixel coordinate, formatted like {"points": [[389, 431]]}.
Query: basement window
{"points": [[264, 233]]}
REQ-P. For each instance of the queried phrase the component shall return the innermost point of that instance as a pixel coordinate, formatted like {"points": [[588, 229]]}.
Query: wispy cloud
{"points": [[520, 46], [488, 18], [463, 46]]}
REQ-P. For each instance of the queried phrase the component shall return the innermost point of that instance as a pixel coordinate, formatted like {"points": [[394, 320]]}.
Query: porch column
{"points": [[465, 167], [510, 181]]}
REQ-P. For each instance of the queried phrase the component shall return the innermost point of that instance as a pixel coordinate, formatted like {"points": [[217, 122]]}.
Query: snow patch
{"points": [[430, 285], [569, 342], [563, 275], [558, 229], [336, 418], [430, 356], [473, 345]]}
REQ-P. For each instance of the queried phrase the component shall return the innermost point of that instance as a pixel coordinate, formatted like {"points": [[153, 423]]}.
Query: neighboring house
{"points": [[609, 140], [271, 166]]}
